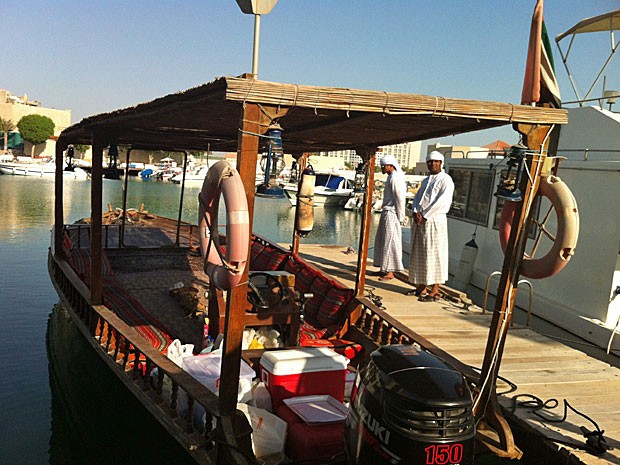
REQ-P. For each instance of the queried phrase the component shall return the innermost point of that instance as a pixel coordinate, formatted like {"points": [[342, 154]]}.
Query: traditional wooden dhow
{"points": [[115, 280]]}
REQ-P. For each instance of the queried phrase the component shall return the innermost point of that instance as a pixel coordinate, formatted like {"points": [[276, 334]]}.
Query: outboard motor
{"points": [[409, 407]]}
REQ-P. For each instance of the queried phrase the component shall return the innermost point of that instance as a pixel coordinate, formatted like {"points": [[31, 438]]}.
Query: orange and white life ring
{"points": [[224, 272], [567, 217]]}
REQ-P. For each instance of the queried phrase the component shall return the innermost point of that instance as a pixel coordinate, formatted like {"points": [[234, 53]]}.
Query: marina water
{"points": [[58, 402]]}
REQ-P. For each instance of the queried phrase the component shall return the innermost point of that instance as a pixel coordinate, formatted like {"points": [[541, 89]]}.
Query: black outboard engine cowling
{"points": [[409, 407]]}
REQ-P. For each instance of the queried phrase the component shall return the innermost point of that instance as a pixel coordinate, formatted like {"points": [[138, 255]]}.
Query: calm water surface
{"points": [[55, 398]]}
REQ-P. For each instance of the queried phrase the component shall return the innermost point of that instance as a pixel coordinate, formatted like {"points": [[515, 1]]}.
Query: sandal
{"points": [[386, 278], [413, 292], [429, 298]]}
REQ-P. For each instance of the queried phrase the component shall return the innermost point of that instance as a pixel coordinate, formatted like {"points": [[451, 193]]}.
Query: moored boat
{"points": [[47, 169], [581, 301], [330, 190], [117, 274]]}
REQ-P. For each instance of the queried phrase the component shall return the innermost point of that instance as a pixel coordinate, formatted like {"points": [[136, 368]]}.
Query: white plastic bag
{"points": [[268, 431], [177, 351]]}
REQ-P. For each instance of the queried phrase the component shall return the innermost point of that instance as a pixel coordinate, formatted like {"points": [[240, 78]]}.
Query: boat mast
{"points": [[486, 405]]}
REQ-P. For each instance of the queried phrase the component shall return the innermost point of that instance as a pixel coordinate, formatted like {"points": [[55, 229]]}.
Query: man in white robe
{"points": [[428, 262], [388, 254]]}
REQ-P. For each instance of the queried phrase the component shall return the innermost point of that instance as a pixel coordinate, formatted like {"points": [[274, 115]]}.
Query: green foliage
{"points": [[36, 129], [81, 149], [7, 126]]}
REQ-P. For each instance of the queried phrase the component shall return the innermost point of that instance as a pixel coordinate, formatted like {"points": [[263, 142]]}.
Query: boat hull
{"points": [[47, 170]]}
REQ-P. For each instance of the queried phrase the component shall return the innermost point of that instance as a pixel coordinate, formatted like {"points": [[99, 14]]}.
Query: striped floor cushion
{"points": [[79, 259], [127, 307]]}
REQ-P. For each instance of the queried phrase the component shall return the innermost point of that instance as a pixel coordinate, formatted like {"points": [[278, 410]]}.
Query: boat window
{"points": [[472, 195]]}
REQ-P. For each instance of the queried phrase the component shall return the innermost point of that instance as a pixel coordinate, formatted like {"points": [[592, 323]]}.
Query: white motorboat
{"points": [[330, 189], [193, 177], [41, 170]]}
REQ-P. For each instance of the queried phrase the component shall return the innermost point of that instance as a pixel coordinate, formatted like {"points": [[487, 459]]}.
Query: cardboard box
{"points": [[302, 372]]}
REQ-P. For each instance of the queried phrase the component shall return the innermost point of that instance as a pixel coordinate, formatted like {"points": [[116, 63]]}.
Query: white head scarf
{"points": [[390, 160], [435, 155]]}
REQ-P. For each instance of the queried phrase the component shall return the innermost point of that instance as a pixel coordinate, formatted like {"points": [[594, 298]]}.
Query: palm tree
{"points": [[7, 126]]}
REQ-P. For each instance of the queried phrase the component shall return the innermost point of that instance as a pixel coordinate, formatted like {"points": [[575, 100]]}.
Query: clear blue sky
{"points": [[95, 56]]}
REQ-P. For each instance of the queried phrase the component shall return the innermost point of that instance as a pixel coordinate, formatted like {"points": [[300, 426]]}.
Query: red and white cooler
{"points": [[302, 372]]}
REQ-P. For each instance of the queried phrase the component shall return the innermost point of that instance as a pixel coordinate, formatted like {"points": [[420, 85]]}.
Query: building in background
{"points": [[407, 154], [13, 108]]}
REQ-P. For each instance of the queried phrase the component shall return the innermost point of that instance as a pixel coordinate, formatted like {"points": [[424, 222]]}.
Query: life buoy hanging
{"points": [[224, 271], [567, 217]]}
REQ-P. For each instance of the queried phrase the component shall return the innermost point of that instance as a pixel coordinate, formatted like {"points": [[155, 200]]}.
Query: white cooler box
{"points": [[302, 372]]}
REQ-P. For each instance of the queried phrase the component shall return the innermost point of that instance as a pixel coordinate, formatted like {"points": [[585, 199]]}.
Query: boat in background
{"points": [[584, 298], [47, 169], [333, 189], [195, 176]]}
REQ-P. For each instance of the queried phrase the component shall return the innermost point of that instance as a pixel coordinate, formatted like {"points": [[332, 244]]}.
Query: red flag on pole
{"points": [[539, 83]]}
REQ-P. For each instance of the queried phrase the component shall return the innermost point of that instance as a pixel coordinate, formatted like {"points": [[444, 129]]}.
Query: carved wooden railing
{"points": [[112, 234], [380, 328], [158, 383]]}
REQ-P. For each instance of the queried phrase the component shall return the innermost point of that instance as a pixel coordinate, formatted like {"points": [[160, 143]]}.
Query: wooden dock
{"points": [[532, 364]]}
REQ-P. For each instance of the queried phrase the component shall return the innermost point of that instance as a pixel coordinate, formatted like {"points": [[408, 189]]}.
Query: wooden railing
{"points": [[112, 234], [380, 328], [153, 378]]}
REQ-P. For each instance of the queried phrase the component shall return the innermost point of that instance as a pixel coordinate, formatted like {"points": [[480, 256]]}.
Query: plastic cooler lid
{"points": [[209, 365], [302, 360]]}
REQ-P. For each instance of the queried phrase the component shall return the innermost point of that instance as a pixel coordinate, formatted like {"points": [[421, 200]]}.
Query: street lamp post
{"points": [[256, 8]]}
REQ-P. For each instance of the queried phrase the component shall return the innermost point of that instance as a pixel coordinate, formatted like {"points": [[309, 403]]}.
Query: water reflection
{"points": [[95, 420]]}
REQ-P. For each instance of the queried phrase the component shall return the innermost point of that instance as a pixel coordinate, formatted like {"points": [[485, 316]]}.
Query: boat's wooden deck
{"points": [[535, 364]]}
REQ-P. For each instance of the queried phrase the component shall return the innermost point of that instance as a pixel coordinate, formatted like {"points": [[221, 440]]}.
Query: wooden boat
{"points": [[93, 264]]}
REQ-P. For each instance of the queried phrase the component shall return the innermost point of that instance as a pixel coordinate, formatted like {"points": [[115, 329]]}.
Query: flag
{"points": [[539, 84]]}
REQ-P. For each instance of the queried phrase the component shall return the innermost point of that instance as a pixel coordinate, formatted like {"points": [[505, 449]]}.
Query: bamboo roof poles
{"points": [[317, 118]]}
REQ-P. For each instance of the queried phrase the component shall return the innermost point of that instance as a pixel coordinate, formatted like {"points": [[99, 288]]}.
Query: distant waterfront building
{"points": [[407, 155], [13, 108], [494, 149]]}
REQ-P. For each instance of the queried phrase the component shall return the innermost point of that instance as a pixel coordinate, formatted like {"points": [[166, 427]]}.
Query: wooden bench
{"points": [[117, 298], [326, 313]]}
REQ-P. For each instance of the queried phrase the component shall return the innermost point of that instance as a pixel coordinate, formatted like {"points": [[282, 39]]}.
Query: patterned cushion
{"points": [[304, 279], [319, 288], [269, 259], [257, 248], [131, 311], [67, 244], [80, 262], [293, 266], [308, 332], [332, 307]]}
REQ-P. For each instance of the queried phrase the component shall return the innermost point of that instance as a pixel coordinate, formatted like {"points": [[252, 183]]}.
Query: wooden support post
{"points": [[302, 162], [96, 196], [58, 204], [236, 299], [368, 158], [494, 431]]}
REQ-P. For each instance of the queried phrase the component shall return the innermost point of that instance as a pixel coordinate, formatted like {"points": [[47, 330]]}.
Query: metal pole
{"points": [[256, 46]]}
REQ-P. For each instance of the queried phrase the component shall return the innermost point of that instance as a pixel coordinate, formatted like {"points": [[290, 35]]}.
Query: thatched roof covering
{"points": [[312, 118]]}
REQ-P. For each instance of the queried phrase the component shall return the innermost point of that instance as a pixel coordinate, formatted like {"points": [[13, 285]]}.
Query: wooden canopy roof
{"points": [[312, 118]]}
